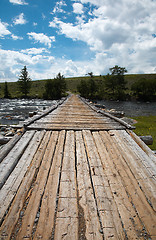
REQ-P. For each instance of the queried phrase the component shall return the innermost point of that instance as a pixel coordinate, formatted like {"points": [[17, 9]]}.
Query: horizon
{"points": [[75, 37]]}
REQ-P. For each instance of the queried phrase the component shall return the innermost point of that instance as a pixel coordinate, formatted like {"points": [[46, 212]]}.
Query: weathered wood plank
{"points": [[136, 164], [90, 222], [10, 161], [75, 127], [67, 211], [38, 190], [66, 228], [12, 184], [75, 121], [141, 147], [7, 148], [24, 191], [128, 191], [49, 201], [103, 195]]}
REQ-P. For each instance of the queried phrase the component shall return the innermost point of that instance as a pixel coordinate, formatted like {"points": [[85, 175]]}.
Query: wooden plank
{"points": [[75, 121], [90, 223], [37, 190], [75, 127], [49, 201], [69, 153], [80, 184], [78, 113], [67, 211], [124, 208], [7, 148], [12, 184], [136, 164], [24, 191], [10, 161], [104, 196], [128, 190], [68, 185], [143, 146], [66, 228]]}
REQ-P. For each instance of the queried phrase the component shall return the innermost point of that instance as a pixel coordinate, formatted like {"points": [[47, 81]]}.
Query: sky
{"points": [[75, 37]]}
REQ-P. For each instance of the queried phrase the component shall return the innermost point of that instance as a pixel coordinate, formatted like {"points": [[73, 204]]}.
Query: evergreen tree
{"points": [[24, 81], [83, 88], [55, 88], [144, 89], [6, 91], [115, 83]]}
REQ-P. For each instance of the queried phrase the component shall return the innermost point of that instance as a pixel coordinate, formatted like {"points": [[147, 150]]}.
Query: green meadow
{"points": [[38, 86], [146, 125]]}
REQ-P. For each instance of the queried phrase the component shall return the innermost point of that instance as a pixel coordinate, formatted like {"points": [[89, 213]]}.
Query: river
{"points": [[131, 109], [14, 110]]}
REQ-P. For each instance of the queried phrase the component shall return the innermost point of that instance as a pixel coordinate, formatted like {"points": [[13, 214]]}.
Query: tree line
{"points": [[54, 88], [112, 86]]}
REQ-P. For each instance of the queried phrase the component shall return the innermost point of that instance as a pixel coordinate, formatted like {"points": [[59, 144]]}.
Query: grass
{"points": [[38, 86], [146, 125]]}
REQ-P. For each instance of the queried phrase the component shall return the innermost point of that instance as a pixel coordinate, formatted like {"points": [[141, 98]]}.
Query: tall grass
{"points": [[146, 125]]}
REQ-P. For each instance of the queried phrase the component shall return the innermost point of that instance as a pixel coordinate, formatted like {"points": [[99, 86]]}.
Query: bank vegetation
{"points": [[116, 85]]}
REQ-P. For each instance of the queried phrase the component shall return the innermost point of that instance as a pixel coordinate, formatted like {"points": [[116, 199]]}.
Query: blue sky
{"points": [[75, 37]]}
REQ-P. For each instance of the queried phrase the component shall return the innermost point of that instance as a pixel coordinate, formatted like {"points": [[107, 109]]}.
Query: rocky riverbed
{"points": [[15, 110]]}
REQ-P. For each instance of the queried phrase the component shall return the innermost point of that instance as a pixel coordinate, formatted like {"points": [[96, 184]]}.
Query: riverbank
{"points": [[146, 125], [130, 108]]}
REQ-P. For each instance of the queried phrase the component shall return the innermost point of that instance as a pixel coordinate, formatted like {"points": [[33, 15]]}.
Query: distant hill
{"points": [[38, 86]]}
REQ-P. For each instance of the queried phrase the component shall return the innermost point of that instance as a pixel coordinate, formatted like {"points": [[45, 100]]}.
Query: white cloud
{"points": [[54, 23], [13, 61], [14, 37], [78, 8], [35, 24], [20, 19], [94, 2], [9, 62], [3, 29], [42, 38], [122, 30], [18, 2], [97, 33], [34, 51], [58, 7]]}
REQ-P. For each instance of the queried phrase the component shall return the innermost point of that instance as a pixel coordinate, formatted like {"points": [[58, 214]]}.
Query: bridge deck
{"points": [[75, 115], [89, 182]]}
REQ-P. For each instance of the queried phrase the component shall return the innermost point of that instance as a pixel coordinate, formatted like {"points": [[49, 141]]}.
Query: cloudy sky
{"points": [[75, 37]]}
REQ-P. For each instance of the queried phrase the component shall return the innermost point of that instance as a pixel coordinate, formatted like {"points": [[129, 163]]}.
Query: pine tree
{"points": [[24, 81], [6, 91]]}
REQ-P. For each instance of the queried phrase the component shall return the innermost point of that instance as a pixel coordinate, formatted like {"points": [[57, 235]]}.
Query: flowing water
{"points": [[131, 109], [14, 110]]}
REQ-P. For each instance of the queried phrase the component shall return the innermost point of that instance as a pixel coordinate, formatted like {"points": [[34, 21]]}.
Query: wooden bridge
{"points": [[76, 173]]}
